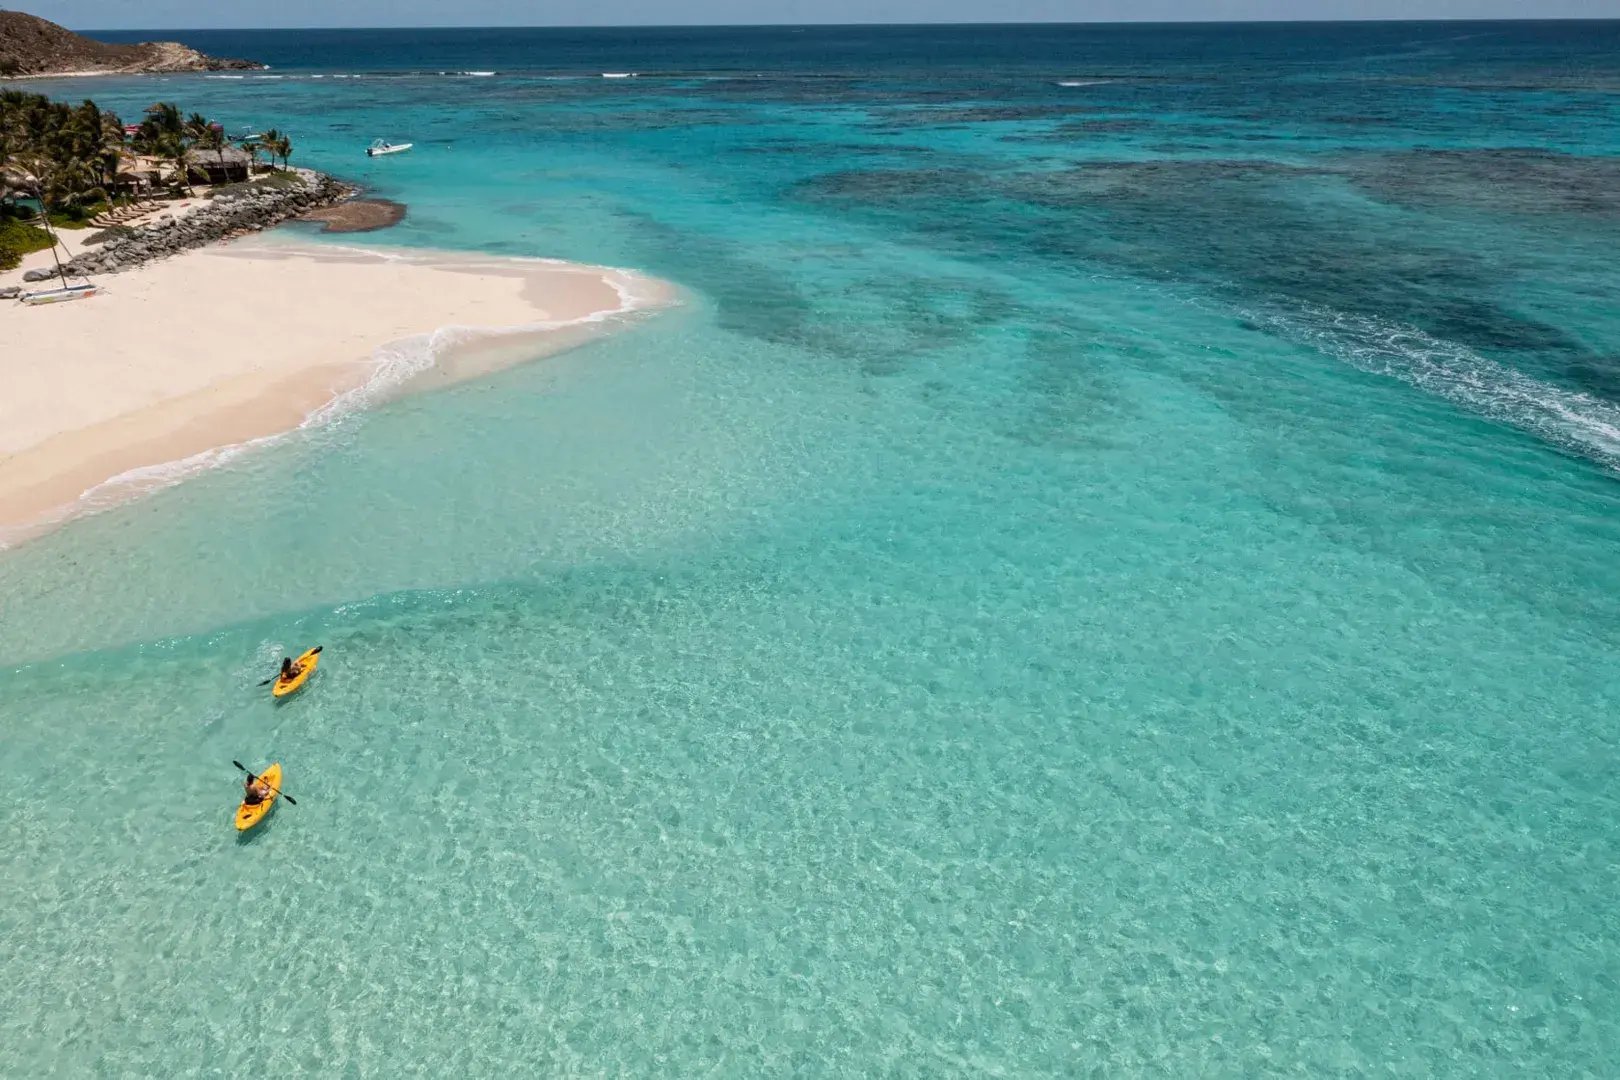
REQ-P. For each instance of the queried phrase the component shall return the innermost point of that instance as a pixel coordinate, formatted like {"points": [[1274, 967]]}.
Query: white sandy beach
{"points": [[229, 344]]}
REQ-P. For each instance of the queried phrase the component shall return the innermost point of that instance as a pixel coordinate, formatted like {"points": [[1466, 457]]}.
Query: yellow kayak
{"points": [[249, 816], [282, 687]]}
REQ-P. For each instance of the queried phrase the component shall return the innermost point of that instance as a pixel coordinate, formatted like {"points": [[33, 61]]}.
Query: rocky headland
{"points": [[35, 47]]}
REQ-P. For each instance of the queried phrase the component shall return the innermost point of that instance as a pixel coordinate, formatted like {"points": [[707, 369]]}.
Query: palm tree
{"points": [[165, 117], [177, 153], [110, 150], [269, 141], [60, 183], [162, 124], [283, 148], [206, 136], [5, 162], [76, 184], [196, 127], [70, 156], [250, 146], [12, 103]]}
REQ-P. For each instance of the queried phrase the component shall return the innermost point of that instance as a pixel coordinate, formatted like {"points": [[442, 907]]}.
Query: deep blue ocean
{"points": [[1111, 571]]}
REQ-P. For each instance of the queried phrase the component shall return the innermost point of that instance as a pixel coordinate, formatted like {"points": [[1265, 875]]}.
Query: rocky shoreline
{"points": [[232, 212]]}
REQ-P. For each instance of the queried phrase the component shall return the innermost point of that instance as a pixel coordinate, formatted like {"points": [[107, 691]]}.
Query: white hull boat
{"points": [[380, 147], [57, 296]]}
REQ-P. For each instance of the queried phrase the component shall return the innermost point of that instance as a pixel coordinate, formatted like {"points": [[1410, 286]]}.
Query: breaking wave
{"points": [[1575, 422]]}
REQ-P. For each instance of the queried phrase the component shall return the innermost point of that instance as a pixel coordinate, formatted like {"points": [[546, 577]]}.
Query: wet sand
{"points": [[228, 345]]}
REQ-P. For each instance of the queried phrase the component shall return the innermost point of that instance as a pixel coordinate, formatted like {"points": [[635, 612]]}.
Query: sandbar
{"points": [[227, 345]]}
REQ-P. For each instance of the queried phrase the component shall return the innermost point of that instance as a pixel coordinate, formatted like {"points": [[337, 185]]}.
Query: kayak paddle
{"points": [[267, 783], [277, 675]]}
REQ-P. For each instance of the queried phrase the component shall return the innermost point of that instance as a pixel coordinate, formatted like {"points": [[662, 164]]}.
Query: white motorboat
{"points": [[383, 146]]}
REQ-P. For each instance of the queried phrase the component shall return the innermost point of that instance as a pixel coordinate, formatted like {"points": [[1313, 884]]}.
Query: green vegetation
{"points": [[70, 156], [271, 181], [206, 137], [77, 215], [18, 239], [276, 145], [163, 136], [77, 160]]}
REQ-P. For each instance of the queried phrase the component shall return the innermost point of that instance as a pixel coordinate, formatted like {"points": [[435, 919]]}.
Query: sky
{"points": [[208, 14]]}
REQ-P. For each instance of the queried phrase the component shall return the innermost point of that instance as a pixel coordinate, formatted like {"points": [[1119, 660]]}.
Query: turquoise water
{"points": [[1104, 579]]}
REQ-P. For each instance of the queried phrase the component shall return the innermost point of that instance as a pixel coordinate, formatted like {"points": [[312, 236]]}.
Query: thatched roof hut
{"points": [[208, 167]]}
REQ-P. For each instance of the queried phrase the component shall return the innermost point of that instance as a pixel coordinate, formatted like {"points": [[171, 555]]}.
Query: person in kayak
{"points": [[289, 670], [255, 790]]}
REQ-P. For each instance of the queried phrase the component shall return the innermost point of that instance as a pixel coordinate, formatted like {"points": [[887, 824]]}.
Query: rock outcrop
{"points": [[232, 212], [358, 215], [30, 45]]}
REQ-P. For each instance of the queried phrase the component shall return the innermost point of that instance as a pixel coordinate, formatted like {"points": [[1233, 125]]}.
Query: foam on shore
{"points": [[158, 411]]}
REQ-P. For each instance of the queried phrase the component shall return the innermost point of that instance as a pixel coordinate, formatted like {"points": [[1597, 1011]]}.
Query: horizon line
{"points": [[867, 25]]}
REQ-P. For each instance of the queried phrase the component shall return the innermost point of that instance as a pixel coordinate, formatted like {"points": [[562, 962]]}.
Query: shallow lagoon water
{"points": [[1096, 579]]}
